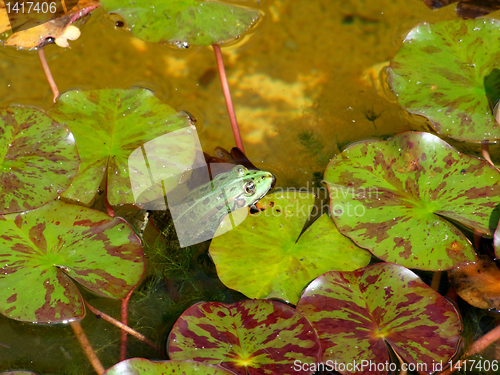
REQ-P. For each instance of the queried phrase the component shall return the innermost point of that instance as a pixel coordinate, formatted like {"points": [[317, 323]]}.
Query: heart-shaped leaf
{"points": [[392, 198], [447, 73], [38, 159], [247, 337], [357, 313], [183, 23], [264, 257], [140, 366], [44, 250], [113, 128]]}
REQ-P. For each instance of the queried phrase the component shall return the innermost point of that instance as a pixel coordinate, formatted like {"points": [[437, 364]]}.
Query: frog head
{"points": [[249, 186]]}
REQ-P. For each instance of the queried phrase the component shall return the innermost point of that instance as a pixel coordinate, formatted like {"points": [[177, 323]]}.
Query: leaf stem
{"points": [[436, 280], [124, 320], [227, 96], [48, 74], [87, 348], [479, 345], [122, 326]]}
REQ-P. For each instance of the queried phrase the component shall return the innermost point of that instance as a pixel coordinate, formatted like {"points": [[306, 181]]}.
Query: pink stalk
{"points": [[87, 348], [124, 320], [48, 74], [227, 96]]}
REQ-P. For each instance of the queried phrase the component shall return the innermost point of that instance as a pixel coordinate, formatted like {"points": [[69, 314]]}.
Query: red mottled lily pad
{"points": [[113, 127], [357, 313], [42, 253], [267, 256], [38, 159], [393, 198], [447, 72], [183, 23], [247, 337], [140, 366]]}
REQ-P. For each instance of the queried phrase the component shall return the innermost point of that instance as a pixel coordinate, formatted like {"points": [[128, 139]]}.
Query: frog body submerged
{"points": [[199, 214]]}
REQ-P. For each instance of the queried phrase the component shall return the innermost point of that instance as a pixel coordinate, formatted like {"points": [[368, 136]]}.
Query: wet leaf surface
{"points": [[37, 35], [138, 366], [42, 253], [266, 256], [447, 73], [393, 198], [113, 130], [357, 313], [247, 337], [478, 283], [38, 159], [467, 8], [183, 23]]}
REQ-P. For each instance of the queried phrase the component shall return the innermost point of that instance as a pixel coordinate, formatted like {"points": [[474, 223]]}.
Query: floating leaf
{"points": [[393, 197], [264, 257], [467, 8], [44, 250], [38, 159], [477, 283], [447, 73], [357, 313], [113, 126], [38, 35], [140, 366], [247, 337], [183, 23]]}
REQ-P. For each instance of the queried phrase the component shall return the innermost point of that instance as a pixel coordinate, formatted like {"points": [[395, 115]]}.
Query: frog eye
{"points": [[249, 187]]}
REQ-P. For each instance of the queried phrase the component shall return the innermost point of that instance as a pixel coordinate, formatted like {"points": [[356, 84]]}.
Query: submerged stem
{"points": [[227, 96], [48, 74], [124, 319], [87, 348], [122, 326]]}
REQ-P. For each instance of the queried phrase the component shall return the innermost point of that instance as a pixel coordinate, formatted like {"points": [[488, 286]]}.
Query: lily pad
{"points": [[266, 256], [357, 313], [38, 159], [247, 337], [467, 8], [393, 198], [448, 73], [113, 128], [139, 366], [43, 251], [183, 23]]}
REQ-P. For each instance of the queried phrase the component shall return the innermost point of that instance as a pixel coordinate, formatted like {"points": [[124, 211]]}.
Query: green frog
{"points": [[200, 212]]}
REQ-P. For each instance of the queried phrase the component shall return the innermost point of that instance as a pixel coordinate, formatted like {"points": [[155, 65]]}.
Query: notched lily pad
{"points": [[393, 197], [38, 159], [447, 72], [183, 23], [42, 253], [264, 257], [140, 366], [247, 337], [357, 313], [130, 135]]}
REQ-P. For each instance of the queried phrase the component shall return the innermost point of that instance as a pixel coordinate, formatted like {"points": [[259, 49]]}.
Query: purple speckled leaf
{"points": [[248, 337], [357, 313], [140, 366], [393, 198], [42, 253], [38, 159]]}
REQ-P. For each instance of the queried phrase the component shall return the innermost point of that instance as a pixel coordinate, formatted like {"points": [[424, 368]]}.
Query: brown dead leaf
{"points": [[467, 8], [478, 283], [36, 36]]}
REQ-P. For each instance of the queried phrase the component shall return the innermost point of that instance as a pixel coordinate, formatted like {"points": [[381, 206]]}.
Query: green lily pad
{"points": [[38, 159], [183, 22], [43, 251], [113, 130], [139, 366], [357, 313], [393, 198], [266, 256], [247, 337], [447, 72]]}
